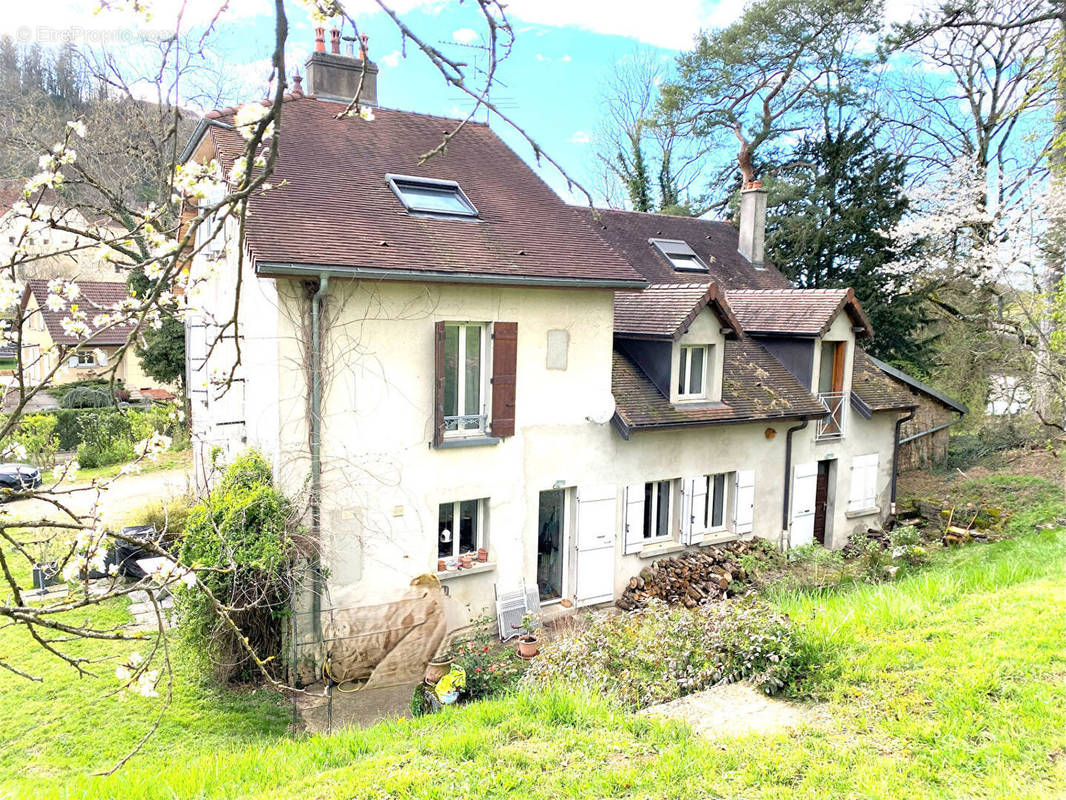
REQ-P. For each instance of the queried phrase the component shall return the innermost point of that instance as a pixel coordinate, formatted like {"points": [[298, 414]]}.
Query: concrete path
{"points": [[735, 710], [358, 709]]}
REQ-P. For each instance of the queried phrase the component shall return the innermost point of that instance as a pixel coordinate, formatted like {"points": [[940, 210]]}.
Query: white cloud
{"points": [[580, 137], [542, 58], [566, 58], [392, 60], [466, 36]]}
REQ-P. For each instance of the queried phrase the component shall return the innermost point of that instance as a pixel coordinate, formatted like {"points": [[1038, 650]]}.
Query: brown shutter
{"points": [[504, 367], [438, 383]]}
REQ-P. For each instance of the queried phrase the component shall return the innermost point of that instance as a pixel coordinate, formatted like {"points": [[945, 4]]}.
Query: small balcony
{"points": [[469, 423], [831, 426]]}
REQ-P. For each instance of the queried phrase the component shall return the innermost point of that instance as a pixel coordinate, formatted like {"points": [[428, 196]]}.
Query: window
{"points": [[656, 509], [863, 483], [459, 528], [714, 516], [83, 359], [206, 240], [681, 257], [464, 358], [429, 196], [691, 378], [648, 513]]}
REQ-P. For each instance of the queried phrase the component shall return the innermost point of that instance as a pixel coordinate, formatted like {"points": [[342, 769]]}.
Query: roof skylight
{"points": [[431, 196], [679, 254]]}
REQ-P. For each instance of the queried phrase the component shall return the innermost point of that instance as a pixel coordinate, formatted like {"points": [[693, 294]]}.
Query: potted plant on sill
{"points": [[528, 641]]}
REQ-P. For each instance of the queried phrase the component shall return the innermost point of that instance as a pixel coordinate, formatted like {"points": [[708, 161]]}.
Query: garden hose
{"points": [[327, 674]]}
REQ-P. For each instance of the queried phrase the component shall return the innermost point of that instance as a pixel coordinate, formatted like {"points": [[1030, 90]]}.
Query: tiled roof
{"points": [[666, 310], [874, 389], [754, 387], [913, 385], [628, 233], [335, 208], [799, 312], [94, 297]]}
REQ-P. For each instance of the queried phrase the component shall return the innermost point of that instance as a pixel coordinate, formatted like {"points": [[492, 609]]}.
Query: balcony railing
{"points": [[831, 426], [464, 422]]}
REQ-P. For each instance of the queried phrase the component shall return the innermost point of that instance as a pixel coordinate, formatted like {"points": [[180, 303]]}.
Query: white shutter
{"points": [[744, 515], [804, 493], [101, 357], [863, 482], [693, 509], [72, 361], [633, 528]]}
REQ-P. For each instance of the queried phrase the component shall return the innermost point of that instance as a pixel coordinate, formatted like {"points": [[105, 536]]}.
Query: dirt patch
{"points": [[735, 710], [1037, 461]]}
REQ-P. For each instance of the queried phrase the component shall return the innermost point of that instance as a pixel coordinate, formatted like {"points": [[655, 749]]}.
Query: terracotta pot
{"points": [[441, 566], [482, 554], [437, 669], [566, 602], [528, 646], [466, 562]]}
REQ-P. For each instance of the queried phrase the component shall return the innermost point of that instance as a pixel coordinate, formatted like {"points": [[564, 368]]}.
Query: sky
{"points": [[552, 83]]}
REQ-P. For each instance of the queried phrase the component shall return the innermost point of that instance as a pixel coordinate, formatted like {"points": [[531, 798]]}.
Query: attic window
{"points": [[679, 254], [430, 196]]}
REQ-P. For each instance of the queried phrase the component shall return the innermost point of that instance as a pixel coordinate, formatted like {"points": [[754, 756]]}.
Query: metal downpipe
{"points": [[788, 476], [895, 460], [316, 448]]}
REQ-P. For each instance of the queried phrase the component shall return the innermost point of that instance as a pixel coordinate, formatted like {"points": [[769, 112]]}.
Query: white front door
{"points": [[804, 490], [594, 545]]}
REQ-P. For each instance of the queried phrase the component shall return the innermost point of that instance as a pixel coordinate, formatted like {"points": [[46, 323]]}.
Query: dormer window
{"points": [[692, 373], [682, 257], [431, 196]]}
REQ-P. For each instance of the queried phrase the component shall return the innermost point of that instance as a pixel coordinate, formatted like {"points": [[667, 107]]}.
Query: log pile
{"points": [[712, 573]]}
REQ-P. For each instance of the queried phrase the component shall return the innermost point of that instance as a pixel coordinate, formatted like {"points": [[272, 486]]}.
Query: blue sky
{"points": [[565, 51]]}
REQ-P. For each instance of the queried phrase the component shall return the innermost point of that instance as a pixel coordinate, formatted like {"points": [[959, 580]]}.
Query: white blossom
{"points": [[78, 127]]}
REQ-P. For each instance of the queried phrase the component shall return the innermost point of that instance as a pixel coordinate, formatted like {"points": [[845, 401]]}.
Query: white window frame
{"points": [[460, 379], [727, 478], [684, 368], [653, 519], [681, 257], [480, 505], [216, 245], [84, 359], [864, 473]]}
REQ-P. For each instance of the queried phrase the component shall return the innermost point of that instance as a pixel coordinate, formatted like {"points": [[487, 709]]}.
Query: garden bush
{"points": [[491, 668], [37, 435], [240, 540], [93, 456], [663, 652]]}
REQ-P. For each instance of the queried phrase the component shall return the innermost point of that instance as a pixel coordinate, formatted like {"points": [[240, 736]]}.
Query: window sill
{"points": [[662, 548], [718, 537], [478, 568], [862, 512], [468, 441]]}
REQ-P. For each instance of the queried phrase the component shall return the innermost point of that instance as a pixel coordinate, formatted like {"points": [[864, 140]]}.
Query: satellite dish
{"points": [[602, 410]]}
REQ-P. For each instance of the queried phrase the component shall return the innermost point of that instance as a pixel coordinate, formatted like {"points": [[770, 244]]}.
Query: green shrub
{"points": [[168, 515], [661, 652], [242, 534], [491, 669], [88, 397], [93, 456], [907, 544], [37, 435]]}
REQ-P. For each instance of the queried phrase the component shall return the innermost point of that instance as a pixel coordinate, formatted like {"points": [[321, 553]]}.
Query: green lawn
{"points": [[168, 460], [946, 683]]}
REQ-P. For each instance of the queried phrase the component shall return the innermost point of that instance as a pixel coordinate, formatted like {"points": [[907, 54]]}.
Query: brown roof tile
{"points": [[337, 210], [628, 232], [874, 389], [799, 312], [94, 297], [755, 387], [666, 310]]}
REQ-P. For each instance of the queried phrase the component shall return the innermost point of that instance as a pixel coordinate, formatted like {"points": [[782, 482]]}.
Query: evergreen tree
{"points": [[162, 351], [831, 208]]}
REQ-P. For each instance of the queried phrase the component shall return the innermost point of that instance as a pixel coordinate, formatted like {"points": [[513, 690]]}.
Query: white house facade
{"points": [[445, 359]]}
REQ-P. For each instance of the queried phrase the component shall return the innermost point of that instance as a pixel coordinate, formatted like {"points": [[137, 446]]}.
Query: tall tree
{"points": [[768, 74], [831, 207]]}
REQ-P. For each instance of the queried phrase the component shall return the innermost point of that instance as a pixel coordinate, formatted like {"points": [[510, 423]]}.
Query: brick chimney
{"points": [[753, 223], [336, 77]]}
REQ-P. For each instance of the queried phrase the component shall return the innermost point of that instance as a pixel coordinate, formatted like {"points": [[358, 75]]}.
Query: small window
{"points": [[692, 373], [428, 196], [682, 257], [83, 359], [657, 499], [459, 528], [464, 378], [715, 511]]}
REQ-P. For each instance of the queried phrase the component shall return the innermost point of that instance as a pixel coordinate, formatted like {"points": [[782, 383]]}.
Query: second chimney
{"points": [[336, 77], [753, 224]]}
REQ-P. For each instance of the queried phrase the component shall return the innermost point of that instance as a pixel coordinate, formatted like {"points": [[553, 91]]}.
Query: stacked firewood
{"points": [[712, 573]]}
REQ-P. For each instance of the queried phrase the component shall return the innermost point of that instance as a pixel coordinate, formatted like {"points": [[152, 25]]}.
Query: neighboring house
{"points": [[45, 343], [450, 358], [923, 437]]}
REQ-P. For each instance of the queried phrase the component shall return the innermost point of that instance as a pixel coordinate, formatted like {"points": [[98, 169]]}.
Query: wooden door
{"points": [[821, 501]]}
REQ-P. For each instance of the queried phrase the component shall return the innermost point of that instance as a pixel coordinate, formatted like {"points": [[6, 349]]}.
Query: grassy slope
{"points": [[948, 683]]}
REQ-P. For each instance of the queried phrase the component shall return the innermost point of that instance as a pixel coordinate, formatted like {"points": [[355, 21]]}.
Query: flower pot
{"points": [[466, 562], [528, 646], [436, 669], [482, 554], [441, 566], [566, 602]]}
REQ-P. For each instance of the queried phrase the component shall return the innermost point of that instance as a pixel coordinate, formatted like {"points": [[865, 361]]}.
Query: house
{"points": [[444, 357], [45, 343]]}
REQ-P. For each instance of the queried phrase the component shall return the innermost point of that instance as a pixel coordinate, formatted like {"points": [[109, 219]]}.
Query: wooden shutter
{"points": [[438, 383], [693, 509], [863, 482], [504, 368], [633, 525], [744, 515]]}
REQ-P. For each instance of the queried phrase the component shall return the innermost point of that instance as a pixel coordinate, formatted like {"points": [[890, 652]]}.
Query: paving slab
{"points": [[359, 709]]}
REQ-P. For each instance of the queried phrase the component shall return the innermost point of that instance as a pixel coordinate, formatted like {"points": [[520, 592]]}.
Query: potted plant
{"points": [[528, 641], [439, 666]]}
